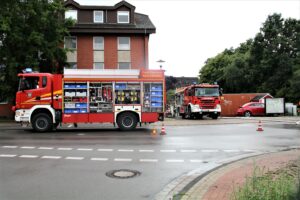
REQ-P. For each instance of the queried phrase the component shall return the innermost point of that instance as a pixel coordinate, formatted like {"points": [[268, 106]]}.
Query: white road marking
{"points": [[231, 150], [51, 157], [209, 150], [126, 150], [10, 147], [188, 151], [249, 150], [173, 161], [105, 150], [83, 149], [45, 148], [28, 156], [7, 155], [168, 151], [99, 159], [196, 161], [64, 149], [123, 159], [146, 150], [27, 147], [74, 158], [80, 134], [148, 160]]}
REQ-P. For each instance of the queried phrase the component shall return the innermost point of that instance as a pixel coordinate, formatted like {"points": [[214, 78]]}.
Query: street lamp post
{"points": [[160, 62]]}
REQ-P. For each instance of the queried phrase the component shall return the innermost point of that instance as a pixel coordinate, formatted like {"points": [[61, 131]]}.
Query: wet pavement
{"points": [[72, 163]]}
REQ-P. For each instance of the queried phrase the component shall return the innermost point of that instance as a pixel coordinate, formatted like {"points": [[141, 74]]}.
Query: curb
{"points": [[181, 185]]}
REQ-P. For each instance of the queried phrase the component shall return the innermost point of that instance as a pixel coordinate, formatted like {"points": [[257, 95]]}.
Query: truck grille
{"points": [[207, 104]]}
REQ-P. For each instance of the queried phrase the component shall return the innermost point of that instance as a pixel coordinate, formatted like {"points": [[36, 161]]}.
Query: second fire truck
{"points": [[195, 101]]}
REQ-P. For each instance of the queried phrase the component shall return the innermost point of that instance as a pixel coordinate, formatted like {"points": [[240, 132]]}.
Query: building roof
{"points": [[141, 23]]}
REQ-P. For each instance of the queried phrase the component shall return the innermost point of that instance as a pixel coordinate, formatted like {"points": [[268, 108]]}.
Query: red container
{"points": [[230, 103]]}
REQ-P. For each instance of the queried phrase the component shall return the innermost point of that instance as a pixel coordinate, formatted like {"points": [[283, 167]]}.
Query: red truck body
{"points": [[122, 97], [198, 100]]}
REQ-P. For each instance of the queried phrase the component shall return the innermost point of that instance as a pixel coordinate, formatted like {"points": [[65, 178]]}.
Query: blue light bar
{"points": [[27, 70]]}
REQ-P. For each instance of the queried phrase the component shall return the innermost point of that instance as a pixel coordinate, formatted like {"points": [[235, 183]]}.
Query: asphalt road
{"points": [[72, 163]]}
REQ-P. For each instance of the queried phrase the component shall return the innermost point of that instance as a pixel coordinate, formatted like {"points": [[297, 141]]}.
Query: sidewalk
{"points": [[219, 181]]}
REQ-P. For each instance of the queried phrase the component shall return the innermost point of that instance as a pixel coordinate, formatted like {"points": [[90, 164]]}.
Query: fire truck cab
{"points": [[122, 97], [195, 101]]}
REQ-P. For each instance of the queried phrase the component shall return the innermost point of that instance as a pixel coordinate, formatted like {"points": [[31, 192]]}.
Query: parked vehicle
{"points": [[122, 97], [251, 109], [198, 100]]}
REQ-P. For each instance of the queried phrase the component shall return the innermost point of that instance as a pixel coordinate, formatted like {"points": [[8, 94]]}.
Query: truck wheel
{"points": [[215, 116], [127, 121], [42, 122]]}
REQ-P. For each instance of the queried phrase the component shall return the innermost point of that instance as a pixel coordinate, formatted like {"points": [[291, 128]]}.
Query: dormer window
{"points": [[123, 17], [98, 16], [72, 14]]}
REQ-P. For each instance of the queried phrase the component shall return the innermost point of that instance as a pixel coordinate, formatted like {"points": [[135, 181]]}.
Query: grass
{"points": [[283, 184]]}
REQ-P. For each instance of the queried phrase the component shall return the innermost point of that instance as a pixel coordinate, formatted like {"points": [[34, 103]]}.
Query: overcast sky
{"points": [[190, 31]]}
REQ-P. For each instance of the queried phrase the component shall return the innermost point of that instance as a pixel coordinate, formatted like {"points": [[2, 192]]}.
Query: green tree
{"points": [[270, 62], [31, 35]]}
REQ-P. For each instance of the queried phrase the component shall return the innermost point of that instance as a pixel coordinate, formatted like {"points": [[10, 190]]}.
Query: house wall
{"points": [[138, 52]]}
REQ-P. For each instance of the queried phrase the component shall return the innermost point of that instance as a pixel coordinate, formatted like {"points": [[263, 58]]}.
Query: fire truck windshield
{"points": [[28, 83], [200, 92]]}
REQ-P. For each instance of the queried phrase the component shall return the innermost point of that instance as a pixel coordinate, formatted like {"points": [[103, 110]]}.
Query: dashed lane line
{"points": [[188, 151], [74, 158], [7, 155], [46, 148], [10, 147], [146, 150], [168, 151], [26, 147], [209, 150], [175, 161], [64, 149], [84, 149], [105, 150], [148, 160], [123, 159], [51, 157], [196, 161], [231, 150], [125, 150], [99, 159], [28, 156]]}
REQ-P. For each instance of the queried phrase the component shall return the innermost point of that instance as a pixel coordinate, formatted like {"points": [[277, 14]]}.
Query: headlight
{"points": [[18, 113]]}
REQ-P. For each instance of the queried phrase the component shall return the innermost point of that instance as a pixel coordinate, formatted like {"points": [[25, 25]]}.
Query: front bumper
{"points": [[22, 115], [197, 109]]}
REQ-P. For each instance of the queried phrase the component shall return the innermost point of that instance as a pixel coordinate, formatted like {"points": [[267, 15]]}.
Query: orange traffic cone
{"points": [[259, 128], [163, 130]]}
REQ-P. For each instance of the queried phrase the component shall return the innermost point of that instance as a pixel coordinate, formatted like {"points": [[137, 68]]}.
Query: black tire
{"points": [[127, 121], [215, 116], [42, 122], [189, 113], [199, 116], [247, 114]]}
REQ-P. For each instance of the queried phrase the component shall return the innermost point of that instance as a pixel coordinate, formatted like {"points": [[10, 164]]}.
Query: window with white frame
{"points": [[123, 43], [123, 17], [72, 14], [98, 43], [71, 42], [124, 65], [98, 65], [98, 16]]}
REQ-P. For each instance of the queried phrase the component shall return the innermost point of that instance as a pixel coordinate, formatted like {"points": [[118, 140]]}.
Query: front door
{"points": [[31, 92]]}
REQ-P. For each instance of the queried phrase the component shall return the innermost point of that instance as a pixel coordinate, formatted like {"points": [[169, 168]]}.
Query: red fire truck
{"points": [[122, 97], [198, 100]]}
